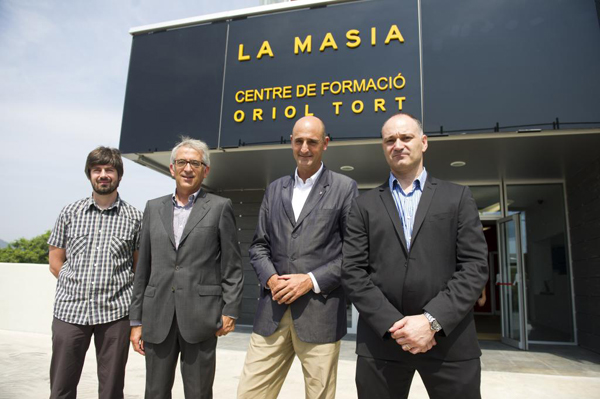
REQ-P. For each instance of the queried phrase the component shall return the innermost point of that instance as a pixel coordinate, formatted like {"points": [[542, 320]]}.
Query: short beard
{"points": [[105, 190]]}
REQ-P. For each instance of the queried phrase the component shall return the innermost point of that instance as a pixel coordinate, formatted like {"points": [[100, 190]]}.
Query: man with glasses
{"points": [[188, 284], [93, 251]]}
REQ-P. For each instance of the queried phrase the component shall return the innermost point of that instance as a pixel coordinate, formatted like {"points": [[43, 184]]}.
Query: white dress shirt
{"points": [[299, 197]]}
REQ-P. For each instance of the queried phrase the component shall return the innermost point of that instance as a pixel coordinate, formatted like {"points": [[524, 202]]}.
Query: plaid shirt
{"points": [[96, 280]]}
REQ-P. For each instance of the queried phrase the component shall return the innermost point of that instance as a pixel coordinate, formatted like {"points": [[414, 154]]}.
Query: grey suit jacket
{"points": [[443, 273], [199, 281], [283, 245]]}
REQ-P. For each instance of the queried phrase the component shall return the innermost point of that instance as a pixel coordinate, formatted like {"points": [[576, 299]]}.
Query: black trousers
{"points": [[70, 343], [383, 379], [197, 363]]}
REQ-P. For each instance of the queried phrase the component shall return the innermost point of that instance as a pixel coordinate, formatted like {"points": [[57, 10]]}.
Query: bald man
{"points": [[415, 262], [297, 256]]}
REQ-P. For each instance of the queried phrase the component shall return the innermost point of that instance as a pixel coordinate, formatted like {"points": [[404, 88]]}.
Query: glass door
{"points": [[511, 283]]}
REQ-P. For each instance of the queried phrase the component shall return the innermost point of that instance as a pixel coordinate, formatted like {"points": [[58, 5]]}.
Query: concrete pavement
{"points": [[545, 372]]}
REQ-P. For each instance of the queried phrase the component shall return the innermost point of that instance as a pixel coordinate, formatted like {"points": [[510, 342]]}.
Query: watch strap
{"points": [[434, 324]]}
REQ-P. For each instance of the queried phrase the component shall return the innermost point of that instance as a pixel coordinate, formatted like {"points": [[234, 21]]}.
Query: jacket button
{"points": [[176, 267], [173, 289]]}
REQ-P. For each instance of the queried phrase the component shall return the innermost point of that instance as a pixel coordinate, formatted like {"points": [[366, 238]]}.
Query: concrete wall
{"points": [[583, 197], [26, 297]]}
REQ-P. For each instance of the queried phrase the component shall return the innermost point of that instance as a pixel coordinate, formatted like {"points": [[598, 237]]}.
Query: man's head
{"points": [[308, 144], [190, 164], [104, 169], [404, 144]]}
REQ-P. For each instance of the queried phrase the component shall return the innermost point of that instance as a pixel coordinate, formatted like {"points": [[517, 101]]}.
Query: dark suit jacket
{"points": [[312, 244], [444, 272], [199, 281]]}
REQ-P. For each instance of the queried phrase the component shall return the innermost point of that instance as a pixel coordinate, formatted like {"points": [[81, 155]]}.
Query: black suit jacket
{"points": [[443, 273]]}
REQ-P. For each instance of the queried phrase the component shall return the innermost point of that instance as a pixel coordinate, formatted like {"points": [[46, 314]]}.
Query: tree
{"points": [[27, 251]]}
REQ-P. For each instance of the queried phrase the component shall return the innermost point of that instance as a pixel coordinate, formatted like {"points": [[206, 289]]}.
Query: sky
{"points": [[63, 72]]}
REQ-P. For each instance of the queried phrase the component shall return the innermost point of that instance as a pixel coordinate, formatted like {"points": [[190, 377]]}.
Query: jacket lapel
{"points": [[424, 203], [316, 193], [390, 207], [166, 215], [199, 210], [286, 197]]}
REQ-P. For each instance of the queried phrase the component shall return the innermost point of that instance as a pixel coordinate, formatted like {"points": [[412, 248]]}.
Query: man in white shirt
{"points": [[297, 254]]}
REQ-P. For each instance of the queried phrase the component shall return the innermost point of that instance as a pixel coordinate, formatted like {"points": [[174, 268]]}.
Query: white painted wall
{"points": [[26, 297]]}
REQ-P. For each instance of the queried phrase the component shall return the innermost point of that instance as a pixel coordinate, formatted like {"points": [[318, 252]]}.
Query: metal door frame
{"points": [[504, 281]]}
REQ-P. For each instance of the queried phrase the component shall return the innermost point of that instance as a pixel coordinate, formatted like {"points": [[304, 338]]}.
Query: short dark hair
{"points": [[104, 156]]}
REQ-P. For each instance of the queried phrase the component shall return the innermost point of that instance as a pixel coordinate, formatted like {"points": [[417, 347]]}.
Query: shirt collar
{"points": [[310, 181], [191, 198], [115, 205], [418, 184]]}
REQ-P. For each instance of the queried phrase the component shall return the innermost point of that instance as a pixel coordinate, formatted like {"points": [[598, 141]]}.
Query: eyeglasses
{"points": [[182, 163]]}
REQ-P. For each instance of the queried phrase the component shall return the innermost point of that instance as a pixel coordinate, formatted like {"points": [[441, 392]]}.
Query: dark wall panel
{"points": [[583, 198], [288, 69], [521, 64], [174, 87], [246, 205], [510, 61]]}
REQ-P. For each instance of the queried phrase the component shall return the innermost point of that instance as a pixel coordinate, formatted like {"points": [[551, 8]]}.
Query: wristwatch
{"points": [[435, 326]]}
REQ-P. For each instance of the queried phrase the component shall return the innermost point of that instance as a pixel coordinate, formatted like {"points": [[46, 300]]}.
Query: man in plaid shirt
{"points": [[93, 252]]}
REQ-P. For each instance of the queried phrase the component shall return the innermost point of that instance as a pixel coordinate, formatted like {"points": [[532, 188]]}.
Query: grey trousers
{"points": [[197, 363], [70, 342]]}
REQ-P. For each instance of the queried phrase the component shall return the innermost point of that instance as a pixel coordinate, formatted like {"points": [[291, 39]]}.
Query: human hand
{"points": [[413, 334], [296, 285], [482, 299], [227, 327], [275, 284], [136, 340]]}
